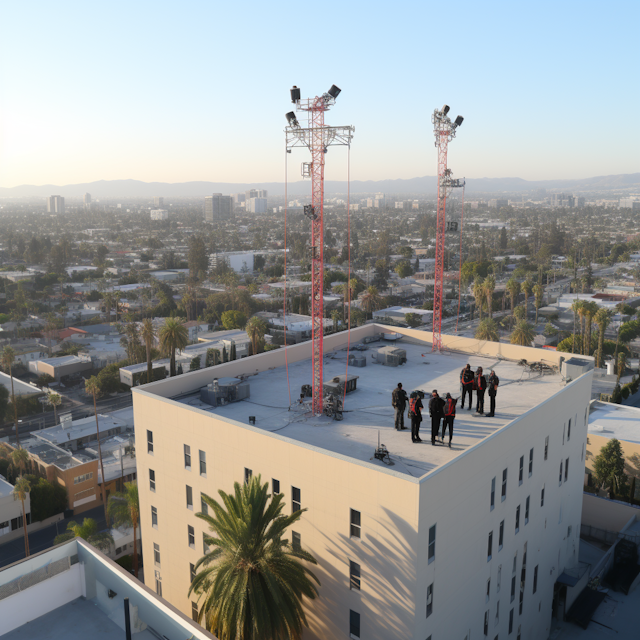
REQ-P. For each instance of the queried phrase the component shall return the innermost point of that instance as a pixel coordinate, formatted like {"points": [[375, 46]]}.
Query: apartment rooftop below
{"points": [[368, 414]]}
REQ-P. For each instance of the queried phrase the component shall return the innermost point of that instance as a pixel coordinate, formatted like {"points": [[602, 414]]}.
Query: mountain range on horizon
{"points": [[426, 185]]}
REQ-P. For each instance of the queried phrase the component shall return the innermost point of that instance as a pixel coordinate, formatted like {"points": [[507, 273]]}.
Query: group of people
{"points": [[443, 410]]}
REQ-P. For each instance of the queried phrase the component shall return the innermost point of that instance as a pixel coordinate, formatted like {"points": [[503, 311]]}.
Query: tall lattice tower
{"points": [[445, 131], [317, 137]]}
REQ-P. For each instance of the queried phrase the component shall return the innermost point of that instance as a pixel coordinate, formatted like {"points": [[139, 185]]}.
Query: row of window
{"points": [[83, 478]]}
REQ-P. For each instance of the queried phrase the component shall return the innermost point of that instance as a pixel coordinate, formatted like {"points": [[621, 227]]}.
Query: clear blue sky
{"points": [[197, 90]]}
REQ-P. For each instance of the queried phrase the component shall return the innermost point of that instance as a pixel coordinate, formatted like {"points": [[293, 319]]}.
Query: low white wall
{"points": [[606, 514], [40, 599], [34, 526]]}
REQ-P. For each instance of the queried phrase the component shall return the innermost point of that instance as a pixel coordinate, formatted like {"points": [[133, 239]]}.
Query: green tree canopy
{"points": [[608, 468]]}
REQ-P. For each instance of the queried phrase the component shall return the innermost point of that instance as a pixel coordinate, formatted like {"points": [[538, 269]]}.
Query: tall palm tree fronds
{"points": [[20, 491], [173, 335], [489, 287], [92, 387], [527, 287], [590, 310], [522, 334], [8, 357], [479, 294], [513, 287], [55, 400], [148, 335], [124, 510], [602, 319], [487, 330], [538, 292], [252, 582], [256, 328], [371, 300], [88, 531]]}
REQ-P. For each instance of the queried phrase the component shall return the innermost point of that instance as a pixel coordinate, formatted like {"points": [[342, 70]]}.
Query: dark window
{"points": [[156, 553], [204, 507], [493, 493], [159, 587], [566, 469], [205, 546], [504, 485], [187, 456], [296, 541], [489, 545], [511, 621], [526, 510], [275, 487], [354, 575], [535, 578], [192, 536], [521, 601], [513, 588], [486, 622], [521, 471], [546, 447], [542, 497], [355, 531], [203, 463], [569, 431], [354, 624], [194, 611], [501, 536], [154, 517], [295, 499], [152, 480], [530, 462], [189, 497], [429, 599], [247, 475], [432, 543], [517, 518], [192, 572], [149, 441], [560, 477], [519, 636]]}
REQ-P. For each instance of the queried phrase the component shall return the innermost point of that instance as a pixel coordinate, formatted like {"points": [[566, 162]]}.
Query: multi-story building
{"points": [[158, 202], [475, 540], [159, 214], [55, 204], [498, 203], [255, 193], [256, 205], [11, 510], [630, 203], [86, 201], [217, 207]]}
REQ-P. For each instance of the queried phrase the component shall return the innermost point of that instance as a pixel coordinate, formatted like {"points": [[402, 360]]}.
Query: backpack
{"points": [[412, 404]]}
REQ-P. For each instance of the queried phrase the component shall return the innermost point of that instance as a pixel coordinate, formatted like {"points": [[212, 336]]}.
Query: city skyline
{"points": [[146, 93]]}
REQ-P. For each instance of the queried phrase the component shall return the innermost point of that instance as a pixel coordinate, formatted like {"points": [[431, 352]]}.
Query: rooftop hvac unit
{"points": [[336, 385], [390, 356], [374, 338], [574, 367], [221, 391], [357, 360]]}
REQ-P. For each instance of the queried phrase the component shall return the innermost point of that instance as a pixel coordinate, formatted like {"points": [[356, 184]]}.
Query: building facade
{"points": [[55, 204], [217, 207], [159, 214]]}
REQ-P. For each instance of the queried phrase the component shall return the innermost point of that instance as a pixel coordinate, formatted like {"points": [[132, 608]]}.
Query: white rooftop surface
{"points": [[615, 421], [20, 388], [80, 429], [6, 488], [368, 410]]}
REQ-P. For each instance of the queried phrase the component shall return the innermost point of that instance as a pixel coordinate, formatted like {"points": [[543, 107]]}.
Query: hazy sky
{"points": [[180, 91]]}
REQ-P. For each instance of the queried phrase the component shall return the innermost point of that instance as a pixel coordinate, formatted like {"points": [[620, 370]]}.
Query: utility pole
{"points": [[317, 137]]}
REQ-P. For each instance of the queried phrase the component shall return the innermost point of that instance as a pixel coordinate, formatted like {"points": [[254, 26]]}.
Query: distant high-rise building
{"points": [[55, 204], [158, 201], [498, 203], [256, 205], [159, 214], [217, 207], [629, 203], [579, 202], [238, 198], [255, 193], [562, 200], [87, 201]]}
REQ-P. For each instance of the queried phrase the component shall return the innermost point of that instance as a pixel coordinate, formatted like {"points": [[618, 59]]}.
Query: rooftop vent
{"points": [[390, 356], [357, 360], [574, 367], [336, 385], [222, 391]]}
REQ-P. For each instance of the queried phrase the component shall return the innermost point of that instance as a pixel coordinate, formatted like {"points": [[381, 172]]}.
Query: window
{"points": [[187, 456], [247, 475], [432, 543], [205, 546], [569, 430], [511, 621], [560, 478], [154, 517], [497, 615], [504, 486], [204, 507], [542, 497], [499, 580], [192, 572], [517, 518], [429, 599], [194, 611], [521, 471], [513, 588], [83, 478], [192, 536], [566, 469], [563, 431], [355, 524], [488, 596], [526, 510], [203, 463], [156, 554], [152, 480], [159, 587], [189, 498], [354, 575], [521, 597], [569, 528], [354, 624], [486, 622], [489, 545], [519, 632], [296, 541], [582, 454], [546, 447], [149, 441], [295, 499], [530, 462], [493, 493], [275, 487], [501, 536], [535, 578]]}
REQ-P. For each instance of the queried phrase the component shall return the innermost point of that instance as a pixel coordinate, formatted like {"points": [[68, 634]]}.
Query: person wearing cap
{"points": [[399, 403], [494, 381], [466, 382], [435, 411], [481, 387], [449, 416]]}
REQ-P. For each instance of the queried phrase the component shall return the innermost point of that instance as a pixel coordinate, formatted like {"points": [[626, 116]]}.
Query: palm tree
{"points": [[124, 510], [371, 300], [19, 459], [479, 294], [132, 341], [173, 335], [527, 287], [590, 310], [88, 531], [256, 328], [108, 299], [622, 364], [489, 287], [92, 386], [522, 334], [538, 292], [602, 319], [20, 492], [335, 316], [576, 307], [487, 330], [8, 357], [148, 335], [513, 287], [251, 584], [55, 399]]}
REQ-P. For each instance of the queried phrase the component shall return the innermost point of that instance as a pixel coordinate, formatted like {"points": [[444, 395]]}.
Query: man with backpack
{"points": [[415, 413], [481, 387], [466, 380], [494, 381], [436, 405], [449, 416], [399, 403]]}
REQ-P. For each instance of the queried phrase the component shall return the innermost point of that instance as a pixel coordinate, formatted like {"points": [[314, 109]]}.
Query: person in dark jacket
{"points": [[466, 380], [449, 416], [481, 387], [494, 381], [436, 405], [415, 413], [399, 403]]}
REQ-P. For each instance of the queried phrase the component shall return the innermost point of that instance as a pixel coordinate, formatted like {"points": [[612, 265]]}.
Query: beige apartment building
{"points": [[473, 541]]}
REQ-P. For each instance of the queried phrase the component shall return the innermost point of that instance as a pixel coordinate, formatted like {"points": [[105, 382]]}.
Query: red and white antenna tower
{"points": [[317, 137], [445, 131]]}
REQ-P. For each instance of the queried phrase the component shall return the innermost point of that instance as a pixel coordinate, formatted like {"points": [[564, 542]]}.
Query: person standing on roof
{"points": [[415, 406], [466, 380], [494, 381], [481, 387], [449, 416], [435, 411], [399, 403]]}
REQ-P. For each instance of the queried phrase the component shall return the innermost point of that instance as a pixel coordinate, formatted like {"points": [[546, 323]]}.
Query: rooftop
{"points": [[368, 412], [6, 488], [20, 388], [59, 434], [618, 421]]}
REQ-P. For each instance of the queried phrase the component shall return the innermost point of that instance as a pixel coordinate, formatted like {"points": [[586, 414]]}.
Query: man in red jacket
{"points": [[449, 416]]}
